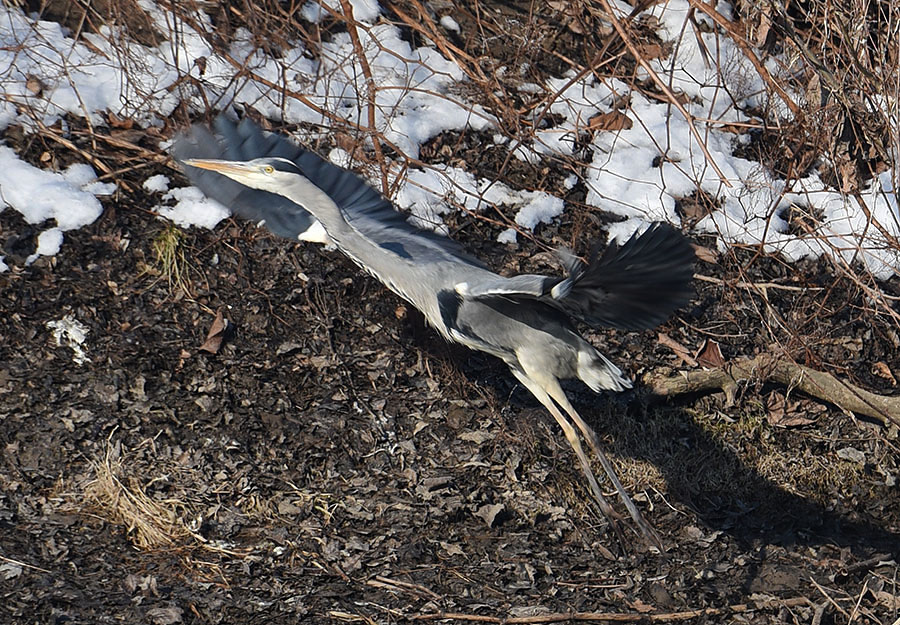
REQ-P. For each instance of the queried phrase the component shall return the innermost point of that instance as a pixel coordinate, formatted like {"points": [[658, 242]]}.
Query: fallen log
{"points": [[769, 368]]}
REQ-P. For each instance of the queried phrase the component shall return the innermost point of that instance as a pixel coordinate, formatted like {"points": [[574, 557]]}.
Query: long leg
{"points": [[572, 436], [556, 392]]}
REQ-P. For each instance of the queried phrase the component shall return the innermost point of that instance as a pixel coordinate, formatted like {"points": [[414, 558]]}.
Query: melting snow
{"points": [[638, 173]]}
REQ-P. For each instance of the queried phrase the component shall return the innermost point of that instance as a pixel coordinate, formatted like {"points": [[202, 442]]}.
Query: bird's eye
{"points": [[269, 169]]}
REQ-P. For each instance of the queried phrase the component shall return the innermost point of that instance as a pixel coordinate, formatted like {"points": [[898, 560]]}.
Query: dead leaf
{"points": [[785, 413], [851, 454], [216, 334], [683, 98], [696, 535], [883, 371], [710, 355], [614, 120], [34, 84], [651, 51], [814, 93], [451, 549], [165, 616], [489, 513], [705, 254], [847, 171], [765, 23], [679, 349], [477, 437], [887, 599], [118, 122], [775, 404], [182, 357], [287, 508], [352, 147], [639, 606]]}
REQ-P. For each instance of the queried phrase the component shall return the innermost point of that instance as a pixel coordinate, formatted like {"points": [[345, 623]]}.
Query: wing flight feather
{"points": [[633, 286]]}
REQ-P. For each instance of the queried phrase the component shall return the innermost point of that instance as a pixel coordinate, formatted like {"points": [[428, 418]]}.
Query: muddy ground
{"points": [[334, 461]]}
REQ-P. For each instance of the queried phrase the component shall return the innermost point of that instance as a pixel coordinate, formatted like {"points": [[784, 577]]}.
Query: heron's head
{"points": [[266, 174]]}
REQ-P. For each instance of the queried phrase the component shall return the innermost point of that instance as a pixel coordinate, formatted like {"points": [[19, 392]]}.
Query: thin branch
{"points": [[372, 89], [23, 564], [740, 42], [629, 43], [610, 617]]}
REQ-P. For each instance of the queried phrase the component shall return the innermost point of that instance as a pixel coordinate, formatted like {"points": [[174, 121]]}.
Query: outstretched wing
{"points": [[635, 286], [364, 208], [244, 142]]}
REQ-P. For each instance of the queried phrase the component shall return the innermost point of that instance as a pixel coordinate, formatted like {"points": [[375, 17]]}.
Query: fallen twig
{"points": [[828, 597], [609, 617], [758, 286], [766, 367], [23, 564]]}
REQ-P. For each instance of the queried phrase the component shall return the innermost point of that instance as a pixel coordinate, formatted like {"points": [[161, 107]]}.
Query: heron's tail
{"points": [[634, 286], [595, 370]]}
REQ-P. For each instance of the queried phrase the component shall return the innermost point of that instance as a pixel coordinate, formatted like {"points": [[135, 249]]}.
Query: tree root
{"points": [[766, 367]]}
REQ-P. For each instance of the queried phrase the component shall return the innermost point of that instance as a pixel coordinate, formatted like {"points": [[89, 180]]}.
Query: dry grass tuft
{"points": [[121, 497], [170, 260]]}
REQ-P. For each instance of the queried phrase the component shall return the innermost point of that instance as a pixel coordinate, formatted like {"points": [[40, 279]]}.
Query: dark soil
{"points": [[336, 461]]}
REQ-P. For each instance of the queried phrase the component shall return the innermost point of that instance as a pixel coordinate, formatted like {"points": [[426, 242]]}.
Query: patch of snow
{"points": [[507, 236], [156, 184], [428, 194], [363, 10], [192, 208], [99, 189], [40, 195], [450, 24], [540, 209], [48, 244], [69, 332]]}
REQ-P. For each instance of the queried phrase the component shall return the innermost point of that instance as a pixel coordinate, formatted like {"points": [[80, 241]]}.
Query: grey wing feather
{"points": [[635, 286], [365, 208], [241, 143], [524, 285]]}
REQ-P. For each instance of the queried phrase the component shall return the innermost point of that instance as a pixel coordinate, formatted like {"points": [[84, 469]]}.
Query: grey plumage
{"points": [[525, 320], [361, 204], [241, 142]]}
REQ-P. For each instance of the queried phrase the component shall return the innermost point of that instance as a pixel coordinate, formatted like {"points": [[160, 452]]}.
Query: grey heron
{"points": [[528, 320]]}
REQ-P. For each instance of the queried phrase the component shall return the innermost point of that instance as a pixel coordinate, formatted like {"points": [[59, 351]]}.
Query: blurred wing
{"points": [[243, 142], [634, 286], [362, 206]]}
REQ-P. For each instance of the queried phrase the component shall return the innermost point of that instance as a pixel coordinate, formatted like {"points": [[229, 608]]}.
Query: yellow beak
{"points": [[219, 166]]}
